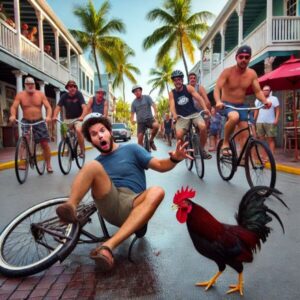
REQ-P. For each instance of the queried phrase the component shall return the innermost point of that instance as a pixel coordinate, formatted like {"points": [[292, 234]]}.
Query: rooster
{"points": [[226, 244]]}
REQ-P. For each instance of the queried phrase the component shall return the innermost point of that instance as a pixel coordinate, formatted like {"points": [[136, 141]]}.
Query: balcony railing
{"points": [[286, 29], [32, 54]]}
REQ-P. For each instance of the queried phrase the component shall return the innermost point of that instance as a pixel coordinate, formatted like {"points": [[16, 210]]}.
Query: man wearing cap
{"points": [[75, 108], [98, 103], [31, 102], [141, 106], [231, 89]]}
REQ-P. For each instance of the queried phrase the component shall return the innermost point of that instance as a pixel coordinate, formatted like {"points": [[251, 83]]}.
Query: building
{"points": [[34, 42], [270, 27]]}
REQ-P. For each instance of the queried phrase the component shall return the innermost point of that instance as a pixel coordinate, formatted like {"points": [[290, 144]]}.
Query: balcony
{"points": [[34, 56], [284, 30]]}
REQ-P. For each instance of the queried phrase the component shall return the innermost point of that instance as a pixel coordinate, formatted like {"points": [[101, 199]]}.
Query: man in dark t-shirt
{"points": [[75, 108]]}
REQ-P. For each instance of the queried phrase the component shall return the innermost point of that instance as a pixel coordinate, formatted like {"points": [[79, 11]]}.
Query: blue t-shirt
{"points": [[126, 166]]}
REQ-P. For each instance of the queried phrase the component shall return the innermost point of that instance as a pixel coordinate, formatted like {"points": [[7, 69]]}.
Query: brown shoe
{"points": [[103, 258], [66, 213]]}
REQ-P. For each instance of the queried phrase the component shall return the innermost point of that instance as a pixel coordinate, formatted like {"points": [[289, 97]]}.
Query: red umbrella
{"points": [[286, 77]]}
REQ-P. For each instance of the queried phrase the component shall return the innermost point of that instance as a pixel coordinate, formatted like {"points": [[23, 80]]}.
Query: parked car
{"points": [[121, 131]]}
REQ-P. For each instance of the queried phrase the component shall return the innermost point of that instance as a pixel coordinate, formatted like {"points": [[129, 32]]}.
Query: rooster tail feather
{"points": [[254, 215]]}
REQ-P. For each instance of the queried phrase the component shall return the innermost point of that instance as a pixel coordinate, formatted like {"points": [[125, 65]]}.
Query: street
{"points": [[166, 264]]}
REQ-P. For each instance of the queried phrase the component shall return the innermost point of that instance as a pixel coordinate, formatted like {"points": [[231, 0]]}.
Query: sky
{"points": [[133, 14]]}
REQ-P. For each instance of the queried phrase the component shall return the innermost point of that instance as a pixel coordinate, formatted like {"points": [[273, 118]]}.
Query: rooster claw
{"points": [[235, 288]]}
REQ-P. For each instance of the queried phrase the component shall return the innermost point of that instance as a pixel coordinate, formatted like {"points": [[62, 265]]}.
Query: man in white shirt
{"points": [[267, 119]]}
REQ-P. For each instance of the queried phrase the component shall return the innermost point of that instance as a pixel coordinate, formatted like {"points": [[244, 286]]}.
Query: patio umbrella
{"points": [[286, 77]]}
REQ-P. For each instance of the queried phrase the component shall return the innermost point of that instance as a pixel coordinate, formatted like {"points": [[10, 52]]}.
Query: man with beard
{"points": [[118, 183], [98, 103], [181, 101], [31, 102], [231, 88], [75, 108]]}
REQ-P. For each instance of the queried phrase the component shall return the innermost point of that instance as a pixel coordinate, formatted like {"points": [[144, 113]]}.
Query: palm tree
{"points": [[121, 68], [162, 108], [180, 29], [162, 75], [122, 111], [95, 35]]}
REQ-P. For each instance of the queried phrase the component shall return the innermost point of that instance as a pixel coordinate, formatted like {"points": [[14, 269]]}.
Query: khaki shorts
{"points": [[76, 124], [116, 206], [265, 129], [184, 124]]}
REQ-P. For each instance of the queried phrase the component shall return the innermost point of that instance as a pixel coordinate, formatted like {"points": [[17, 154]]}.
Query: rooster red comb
{"points": [[183, 194]]}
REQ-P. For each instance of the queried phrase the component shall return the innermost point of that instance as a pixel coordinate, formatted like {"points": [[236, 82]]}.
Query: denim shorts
{"points": [[242, 113], [40, 131]]}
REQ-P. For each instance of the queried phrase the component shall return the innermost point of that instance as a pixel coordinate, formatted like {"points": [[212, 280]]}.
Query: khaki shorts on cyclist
{"points": [[116, 206], [265, 129], [77, 124], [183, 124]]}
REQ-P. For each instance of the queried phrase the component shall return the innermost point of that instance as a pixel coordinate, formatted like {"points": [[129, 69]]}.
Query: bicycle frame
{"points": [[29, 139]]}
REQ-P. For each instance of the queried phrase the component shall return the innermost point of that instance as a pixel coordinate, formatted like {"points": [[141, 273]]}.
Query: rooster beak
{"points": [[174, 206]]}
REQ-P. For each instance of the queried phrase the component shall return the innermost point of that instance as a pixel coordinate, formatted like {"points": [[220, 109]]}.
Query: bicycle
{"points": [[28, 153], [68, 149], [36, 239], [259, 162], [192, 137]]}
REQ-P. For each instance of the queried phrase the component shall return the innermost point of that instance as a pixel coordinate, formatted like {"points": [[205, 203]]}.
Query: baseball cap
{"points": [[100, 90], [70, 82], [244, 49], [29, 80]]}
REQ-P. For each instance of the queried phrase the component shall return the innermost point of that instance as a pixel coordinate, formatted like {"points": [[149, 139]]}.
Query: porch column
{"points": [[269, 21], [42, 89], [19, 87], [222, 33], [57, 97], [56, 35], [211, 44], [240, 12], [40, 17], [201, 67], [69, 58], [18, 25]]}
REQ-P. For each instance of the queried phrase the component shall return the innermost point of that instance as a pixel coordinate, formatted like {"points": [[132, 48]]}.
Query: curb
{"points": [[11, 164]]}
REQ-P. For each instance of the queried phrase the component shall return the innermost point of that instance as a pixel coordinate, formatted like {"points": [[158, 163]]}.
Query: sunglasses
{"points": [[246, 57], [72, 86], [266, 90]]}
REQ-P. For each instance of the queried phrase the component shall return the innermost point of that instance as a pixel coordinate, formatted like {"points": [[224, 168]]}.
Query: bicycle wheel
{"points": [[226, 164], [39, 159], [35, 240], [147, 142], [22, 159], [198, 157], [64, 156], [79, 160], [189, 162], [260, 165]]}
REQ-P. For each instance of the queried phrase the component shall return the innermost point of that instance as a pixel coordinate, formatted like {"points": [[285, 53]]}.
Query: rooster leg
{"points": [[210, 282], [237, 287]]}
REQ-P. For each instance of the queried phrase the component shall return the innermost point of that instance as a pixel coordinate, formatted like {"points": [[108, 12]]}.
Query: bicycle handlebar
{"points": [[61, 122], [32, 124], [193, 116], [244, 108]]}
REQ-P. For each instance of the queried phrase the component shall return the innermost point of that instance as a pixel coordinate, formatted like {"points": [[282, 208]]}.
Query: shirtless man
{"points": [[231, 89], [31, 102]]}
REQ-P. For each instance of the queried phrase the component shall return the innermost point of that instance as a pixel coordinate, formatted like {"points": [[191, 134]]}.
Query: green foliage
{"points": [[122, 113], [180, 29], [96, 34], [162, 107]]}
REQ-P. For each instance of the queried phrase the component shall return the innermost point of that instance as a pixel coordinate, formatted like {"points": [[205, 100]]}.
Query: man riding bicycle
{"points": [[117, 180], [182, 104], [141, 106], [31, 102], [75, 108], [232, 85]]}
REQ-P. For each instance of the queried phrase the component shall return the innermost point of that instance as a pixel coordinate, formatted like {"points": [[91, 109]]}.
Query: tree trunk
{"points": [[184, 60], [97, 66], [167, 88]]}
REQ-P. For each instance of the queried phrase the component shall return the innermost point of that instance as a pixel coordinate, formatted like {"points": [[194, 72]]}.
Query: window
{"points": [[87, 84], [92, 87], [83, 80], [291, 8]]}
